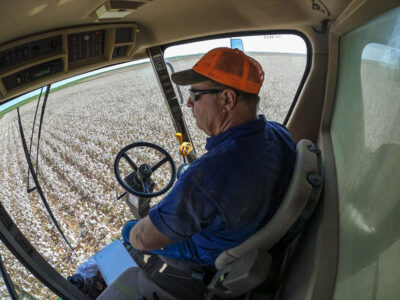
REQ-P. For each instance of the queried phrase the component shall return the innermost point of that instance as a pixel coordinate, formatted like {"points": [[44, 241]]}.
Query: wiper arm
{"points": [[29, 190]]}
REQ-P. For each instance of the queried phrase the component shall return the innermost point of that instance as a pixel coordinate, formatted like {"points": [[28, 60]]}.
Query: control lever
{"points": [[120, 196], [178, 136], [185, 148]]}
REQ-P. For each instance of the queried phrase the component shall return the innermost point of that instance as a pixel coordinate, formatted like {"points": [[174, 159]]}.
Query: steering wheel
{"points": [[139, 182]]}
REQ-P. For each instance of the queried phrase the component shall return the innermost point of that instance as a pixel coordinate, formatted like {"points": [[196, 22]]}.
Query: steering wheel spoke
{"points": [[159, 164], [130, 161]]}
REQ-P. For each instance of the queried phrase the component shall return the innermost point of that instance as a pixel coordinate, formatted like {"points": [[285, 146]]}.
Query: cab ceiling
{"points": [[166, 21]]}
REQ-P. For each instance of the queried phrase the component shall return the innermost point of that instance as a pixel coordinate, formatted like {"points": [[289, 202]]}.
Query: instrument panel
{"points": [[39, 60], [28, 51]]}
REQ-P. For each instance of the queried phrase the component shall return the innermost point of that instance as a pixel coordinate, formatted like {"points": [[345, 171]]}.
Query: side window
{"points": [[366, 141], [25, 284], [283, 58]]}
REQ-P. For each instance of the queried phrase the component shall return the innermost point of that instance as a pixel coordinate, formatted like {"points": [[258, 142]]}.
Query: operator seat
{"points": [[243, 268]]}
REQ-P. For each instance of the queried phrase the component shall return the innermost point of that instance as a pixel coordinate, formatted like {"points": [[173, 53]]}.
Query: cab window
{"points": [[87, 121], [25, 284], [366, 141], [282, 56]]}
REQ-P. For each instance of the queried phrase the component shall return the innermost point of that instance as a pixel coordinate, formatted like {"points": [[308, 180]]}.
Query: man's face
{"points": [[206, 110]]}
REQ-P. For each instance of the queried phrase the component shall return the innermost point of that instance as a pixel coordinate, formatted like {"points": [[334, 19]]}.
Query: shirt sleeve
{"points": [[186, 210]]}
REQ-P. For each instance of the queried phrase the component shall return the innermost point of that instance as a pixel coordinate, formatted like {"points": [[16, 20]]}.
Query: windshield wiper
{"points": [[31, 169], [29, 190]]}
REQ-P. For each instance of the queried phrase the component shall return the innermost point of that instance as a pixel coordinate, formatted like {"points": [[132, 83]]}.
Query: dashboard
{"points": [[35, 61]]}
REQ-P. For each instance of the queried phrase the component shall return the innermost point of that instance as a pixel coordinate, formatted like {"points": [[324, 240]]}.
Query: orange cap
{"points": [[227, 66]]}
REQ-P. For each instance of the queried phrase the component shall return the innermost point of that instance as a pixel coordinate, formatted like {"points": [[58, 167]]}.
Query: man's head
{"points": [[224, 89]]}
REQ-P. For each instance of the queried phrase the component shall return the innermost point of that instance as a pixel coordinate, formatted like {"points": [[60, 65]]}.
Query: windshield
{"points": [[86, 123]]}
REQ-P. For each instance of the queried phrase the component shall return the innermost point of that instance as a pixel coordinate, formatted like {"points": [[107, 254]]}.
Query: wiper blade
{"points": [[28, 189]]}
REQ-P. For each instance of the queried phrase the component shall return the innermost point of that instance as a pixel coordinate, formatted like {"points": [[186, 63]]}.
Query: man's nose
{"points": [[189, 102]]}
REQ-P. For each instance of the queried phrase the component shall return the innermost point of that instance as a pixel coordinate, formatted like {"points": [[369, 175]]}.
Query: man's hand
{"points": [[145, 236]]}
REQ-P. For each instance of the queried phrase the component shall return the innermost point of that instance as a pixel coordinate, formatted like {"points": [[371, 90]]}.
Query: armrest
{"points": [[242, 275]]}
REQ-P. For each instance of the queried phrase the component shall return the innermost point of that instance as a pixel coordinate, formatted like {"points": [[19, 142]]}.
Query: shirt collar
{"points": [[236, 131]]}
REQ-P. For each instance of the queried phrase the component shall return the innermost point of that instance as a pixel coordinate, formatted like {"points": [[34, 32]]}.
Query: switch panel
{"points": [[25, 52], [45, 69], [85, 45]]}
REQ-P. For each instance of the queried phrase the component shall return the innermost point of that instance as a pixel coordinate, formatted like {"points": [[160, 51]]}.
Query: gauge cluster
{"points": [[35, 61]]}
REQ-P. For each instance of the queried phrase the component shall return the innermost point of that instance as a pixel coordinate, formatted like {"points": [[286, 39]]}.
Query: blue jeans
{"points": [[168, 251]]}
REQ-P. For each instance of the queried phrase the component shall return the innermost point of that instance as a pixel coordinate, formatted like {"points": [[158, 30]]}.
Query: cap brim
{"points": [[187, 77]]}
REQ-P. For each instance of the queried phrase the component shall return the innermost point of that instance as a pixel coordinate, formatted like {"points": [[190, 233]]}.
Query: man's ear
{"points": [[228, 99]]}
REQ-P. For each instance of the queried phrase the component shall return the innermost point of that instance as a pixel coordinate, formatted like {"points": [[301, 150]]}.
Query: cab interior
{"points": [[38, 47]]}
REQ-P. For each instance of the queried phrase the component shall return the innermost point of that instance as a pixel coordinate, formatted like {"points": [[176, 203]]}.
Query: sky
{"points": [[261, 43]]}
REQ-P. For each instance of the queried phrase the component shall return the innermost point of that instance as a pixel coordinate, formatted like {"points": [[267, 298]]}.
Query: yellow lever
{"points": [[179, 137]]}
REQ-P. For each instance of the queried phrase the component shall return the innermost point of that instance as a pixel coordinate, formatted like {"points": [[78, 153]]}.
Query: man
{"points": [[233, 190]]}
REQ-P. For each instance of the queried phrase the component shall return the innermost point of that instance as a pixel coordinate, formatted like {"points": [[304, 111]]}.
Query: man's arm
{"points": [[145, 236]]}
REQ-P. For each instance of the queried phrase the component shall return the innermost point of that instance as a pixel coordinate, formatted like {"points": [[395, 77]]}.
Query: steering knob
{"points": [[144, 171]]}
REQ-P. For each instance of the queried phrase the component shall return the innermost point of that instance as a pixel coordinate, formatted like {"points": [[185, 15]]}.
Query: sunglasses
{"points": [[195, 94]]}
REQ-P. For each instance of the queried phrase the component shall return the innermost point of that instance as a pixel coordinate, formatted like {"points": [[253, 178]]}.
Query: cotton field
{"points": [[85, 126]]}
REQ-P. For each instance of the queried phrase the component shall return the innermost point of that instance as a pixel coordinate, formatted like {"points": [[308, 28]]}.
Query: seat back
{"points": [[246, 266]]}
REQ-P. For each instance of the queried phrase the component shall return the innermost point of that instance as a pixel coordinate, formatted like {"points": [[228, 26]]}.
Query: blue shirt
{"points": [[227, 194]]}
